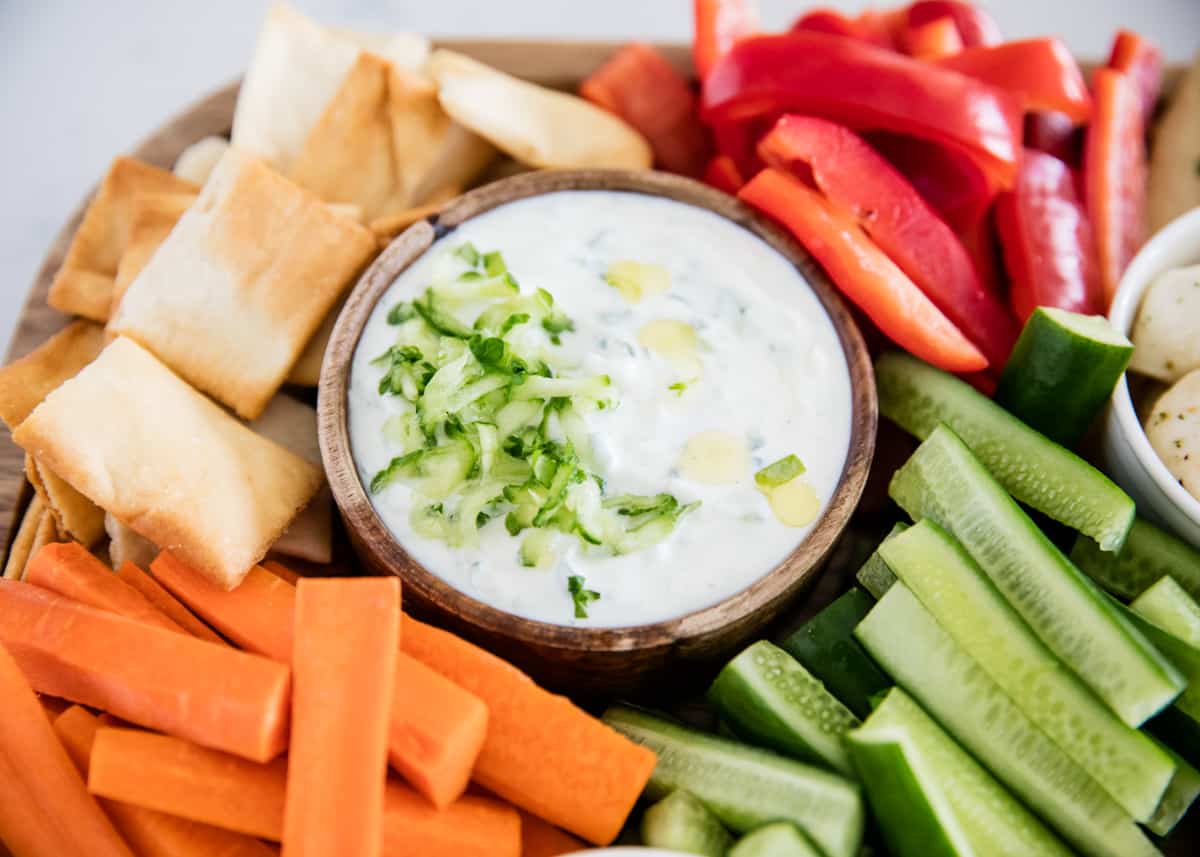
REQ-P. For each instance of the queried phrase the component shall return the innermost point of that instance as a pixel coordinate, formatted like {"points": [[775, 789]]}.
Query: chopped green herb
{"points": [[580, 596], [468, 254], [678, 387], [493, 264], [400, 313], [779, 472]]}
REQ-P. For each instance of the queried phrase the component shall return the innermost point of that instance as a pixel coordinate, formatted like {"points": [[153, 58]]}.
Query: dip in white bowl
{"points": [[761, 377]]}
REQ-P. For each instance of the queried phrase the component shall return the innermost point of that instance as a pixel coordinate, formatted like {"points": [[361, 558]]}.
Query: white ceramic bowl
{"points": [[1130, 459]]}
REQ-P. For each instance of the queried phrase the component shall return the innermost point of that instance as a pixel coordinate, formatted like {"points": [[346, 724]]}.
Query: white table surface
{"points": [[81, 80]]}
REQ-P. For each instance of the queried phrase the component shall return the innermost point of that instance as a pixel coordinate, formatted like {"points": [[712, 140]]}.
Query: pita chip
{"points": [[306, 372], [22, 546], [124, 545], [297, 68], [537, 126], [293, 425], [197, 161], [168, 463], [154, 216], [84, 284], [75, 516], [387, 228], [242, 283], [25, 382], [1174, 183]]}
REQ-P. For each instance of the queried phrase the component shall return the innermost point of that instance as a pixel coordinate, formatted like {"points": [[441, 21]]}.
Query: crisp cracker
{"points": [[84, 284], [154, 216], [124, 545], [25, 382], [22, 545], [197, 161], [169, 463], [387, 228], [75, 516], [242, 283]]}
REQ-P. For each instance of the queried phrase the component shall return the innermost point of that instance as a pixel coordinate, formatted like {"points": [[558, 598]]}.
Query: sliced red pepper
{"points": [[933, 40], [723, 174], [1041, 71], [1142, 61], [865, 87], [1114, 163], [719, 25], [1055, 134], [1047, 240], [857, 180], [863, 272], [975, 26], [837, 24], [983, 247], [639, 85], [946, 178]]}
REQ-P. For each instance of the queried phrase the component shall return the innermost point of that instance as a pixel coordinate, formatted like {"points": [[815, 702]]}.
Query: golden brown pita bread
{"points": [[22, 545], [242, 283], [384, 143], [83, 285], [387, 228], [306, 372], [535, 125], [197, 161], [293, 425], [124, 545], [297, 68], [154, 216], [75, 516], [25, 382], [1175, 156], [168, 463]]}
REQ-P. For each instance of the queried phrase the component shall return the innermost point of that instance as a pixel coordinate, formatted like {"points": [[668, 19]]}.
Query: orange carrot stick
{"points": [[68, 569], [256, 616], [541, 753], [437, 728], [180, 778], [214, 695], [45, 811], [347, 636], [280, 570], [53, 706], [153, 592], [150, 833], [542, 839], [470, 827]]}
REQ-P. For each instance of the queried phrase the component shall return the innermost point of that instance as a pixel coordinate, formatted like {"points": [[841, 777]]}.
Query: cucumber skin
{"points": [[1184, 656], [681, 822], [961, 598], [825, 645], [779, 839], [918, 398], [759, 714], [945, 483], [874, 575], [1149, 554], [1168, 606], [1180, 795], [746, 787], [1056, 382], [907, 641]]}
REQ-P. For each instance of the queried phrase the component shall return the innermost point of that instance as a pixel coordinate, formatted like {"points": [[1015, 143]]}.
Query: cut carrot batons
{"points": [[256, 616], [347, 636], [52, 705], [45, 809], [68, 569], [150, 833], [542, 839], [180, 778], [154, 592], [542, 753], [210, 694], [470, 827], [437, 728], [280, 570]]}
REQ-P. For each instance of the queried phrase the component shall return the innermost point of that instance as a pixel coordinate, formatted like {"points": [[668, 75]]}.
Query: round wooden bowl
{"points": [[588, 661]]}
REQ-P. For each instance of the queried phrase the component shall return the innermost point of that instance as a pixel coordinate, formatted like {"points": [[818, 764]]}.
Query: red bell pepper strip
{"points": [[639, 85], [869, 27], [865, 87], [1114, 163], [719, 25], [723, 174], [1047, 240], [863, 272], [857, 180], [1041, 71], [983, 247], [975, 26], [1055, 134], [933, 40], [1142, 61], [946, 178]]}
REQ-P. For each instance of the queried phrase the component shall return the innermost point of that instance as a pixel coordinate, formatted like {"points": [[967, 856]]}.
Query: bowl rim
{"points": [[1127, 301], [783, 580]]}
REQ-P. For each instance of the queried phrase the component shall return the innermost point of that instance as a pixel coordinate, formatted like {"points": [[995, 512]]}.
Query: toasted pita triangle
{"points": [[197, 161], [75, 516], [22, 545], [154, 216], [25, 382]]}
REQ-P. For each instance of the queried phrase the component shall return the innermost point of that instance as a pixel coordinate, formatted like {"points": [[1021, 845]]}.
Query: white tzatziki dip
{"points": [[695, 356]]}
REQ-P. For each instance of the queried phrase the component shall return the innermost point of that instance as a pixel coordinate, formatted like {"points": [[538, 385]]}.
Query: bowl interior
{"points": [[1177, 244], [763, 597]]}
